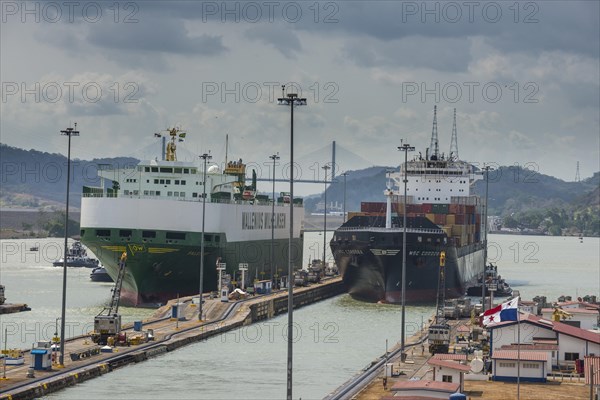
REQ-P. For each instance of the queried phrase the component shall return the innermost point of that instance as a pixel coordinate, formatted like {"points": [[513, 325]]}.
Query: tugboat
{"points": [[503, 289], [99, 274], [77, 257]]}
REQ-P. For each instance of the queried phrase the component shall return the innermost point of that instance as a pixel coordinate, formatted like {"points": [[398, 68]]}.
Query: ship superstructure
{"points": [[442, 215], [153, 211]]}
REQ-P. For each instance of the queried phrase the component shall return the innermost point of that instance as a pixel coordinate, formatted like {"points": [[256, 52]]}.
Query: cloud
{"points": [[448, 54], [283, 40], [155, 35]]}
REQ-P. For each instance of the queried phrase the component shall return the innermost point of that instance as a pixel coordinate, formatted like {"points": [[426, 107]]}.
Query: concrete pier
{"points": [[84, 360]]}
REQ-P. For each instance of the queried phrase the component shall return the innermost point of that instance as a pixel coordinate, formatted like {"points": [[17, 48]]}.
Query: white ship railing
{"points": [[379, 229], [189, 199]]}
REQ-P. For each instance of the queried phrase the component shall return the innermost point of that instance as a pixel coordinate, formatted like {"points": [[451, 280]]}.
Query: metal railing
{"points": [[400, 230], [189, 199]]}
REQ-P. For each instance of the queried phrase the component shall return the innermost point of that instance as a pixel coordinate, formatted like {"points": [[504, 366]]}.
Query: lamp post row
{"points": [[291, 100], [405, 147], [67, 132], [205, 157]]}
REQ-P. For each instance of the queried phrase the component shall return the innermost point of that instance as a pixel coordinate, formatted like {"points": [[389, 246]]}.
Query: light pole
{"points": [[67, 132], [290, 100], [205, 157], [485, 243], [325, 168], [274, 157], [405, 147], [345, 174]]}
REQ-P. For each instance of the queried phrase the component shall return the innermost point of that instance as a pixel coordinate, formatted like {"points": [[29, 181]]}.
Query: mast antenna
{"points": [[577, 177], [434, 136], [454, 141]]}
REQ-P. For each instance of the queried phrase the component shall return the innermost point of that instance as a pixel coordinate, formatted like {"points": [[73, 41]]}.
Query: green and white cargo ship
{"points": [[153, 211]]}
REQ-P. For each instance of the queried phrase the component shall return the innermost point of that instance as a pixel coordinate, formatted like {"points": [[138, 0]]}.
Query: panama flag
{"points": [[504, 312]]}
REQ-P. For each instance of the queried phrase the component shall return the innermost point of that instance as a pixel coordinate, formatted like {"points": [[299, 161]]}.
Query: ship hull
{"points": [[158, 272], [372, 271], [163, 244]]}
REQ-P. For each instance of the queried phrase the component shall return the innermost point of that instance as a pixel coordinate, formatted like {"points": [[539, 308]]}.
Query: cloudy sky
{"points": [[524, 78]]}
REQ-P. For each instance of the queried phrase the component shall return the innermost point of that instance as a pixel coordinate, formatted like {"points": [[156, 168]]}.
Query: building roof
{"points": [[579, 333], [544, 341], [409, 398], [591, 311], [533, 347], [581, 304], [443, 356], [463, 328], [526, 355], [449, 364], [433, 386]]}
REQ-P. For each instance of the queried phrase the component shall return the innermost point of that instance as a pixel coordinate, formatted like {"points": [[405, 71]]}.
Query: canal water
{"points": [[334, 339]]}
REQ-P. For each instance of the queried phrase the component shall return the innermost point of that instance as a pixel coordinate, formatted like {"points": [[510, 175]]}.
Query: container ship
{"points": [[441, 216], [153, 211]]}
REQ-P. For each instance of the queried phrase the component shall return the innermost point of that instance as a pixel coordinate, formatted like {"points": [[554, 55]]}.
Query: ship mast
{"points": [[433, 146], [454, 141]]}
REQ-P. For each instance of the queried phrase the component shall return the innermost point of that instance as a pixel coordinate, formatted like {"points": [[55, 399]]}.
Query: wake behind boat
{"points": [[441, 216]]}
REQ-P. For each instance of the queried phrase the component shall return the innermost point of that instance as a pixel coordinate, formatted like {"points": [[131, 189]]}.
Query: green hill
{"points": [[35, 179]]}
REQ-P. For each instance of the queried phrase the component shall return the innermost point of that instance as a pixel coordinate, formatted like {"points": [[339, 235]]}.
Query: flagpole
{"points": [[518, 353]]}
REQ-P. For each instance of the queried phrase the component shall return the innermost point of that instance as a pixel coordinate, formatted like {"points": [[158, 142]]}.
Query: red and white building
{"points": [[533, 365]]}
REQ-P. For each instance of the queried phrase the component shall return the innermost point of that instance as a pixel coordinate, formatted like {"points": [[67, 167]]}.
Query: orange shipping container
{"points": [[450, 219]]}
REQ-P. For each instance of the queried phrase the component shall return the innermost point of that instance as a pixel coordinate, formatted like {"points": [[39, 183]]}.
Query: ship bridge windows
{"points": [[177, 170], [175, 235], [154, 169], [125, 233], [149, 234], [103, 232], [167, 170], [146, 169], [186, 170]]}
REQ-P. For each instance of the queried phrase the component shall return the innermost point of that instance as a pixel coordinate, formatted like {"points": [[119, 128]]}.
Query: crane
{"points": [[108, 322], [439, 331]]}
